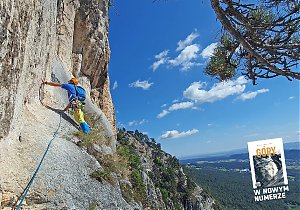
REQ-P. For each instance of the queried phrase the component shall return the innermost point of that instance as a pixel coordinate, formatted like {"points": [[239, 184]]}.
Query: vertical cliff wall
{"points": [[27, 39], [82, 35], [32, 34], [52, 39]]}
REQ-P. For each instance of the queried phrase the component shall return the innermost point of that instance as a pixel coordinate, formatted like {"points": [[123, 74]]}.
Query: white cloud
{"points": [[186, 57], [197, 93], [219, 90], [209, 124], [145, 85], [181, 105], [162, 114], [175, 107], [142, 121], [115, 85], [188, 41], [132, 123], [291, 97], [174, 134], [135, 123], [197, 108], [161, 59], [251, 95], [164, 105], [209, 50], [161, 55]]}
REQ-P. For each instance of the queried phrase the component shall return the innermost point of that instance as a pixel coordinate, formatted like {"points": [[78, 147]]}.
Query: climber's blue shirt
{"points": [[71, 90]]}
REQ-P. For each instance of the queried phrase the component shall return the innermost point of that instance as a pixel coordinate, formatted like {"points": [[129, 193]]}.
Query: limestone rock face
{"points": [[91, 52], [27, 46], [52, 39], [32, 33]]}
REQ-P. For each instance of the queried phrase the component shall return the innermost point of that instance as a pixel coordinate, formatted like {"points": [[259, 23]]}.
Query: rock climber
{"points": [[76, 95]]}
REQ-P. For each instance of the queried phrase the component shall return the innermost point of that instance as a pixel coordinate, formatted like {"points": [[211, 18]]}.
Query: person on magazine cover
{"points": [[268, 170], [76, 95]]}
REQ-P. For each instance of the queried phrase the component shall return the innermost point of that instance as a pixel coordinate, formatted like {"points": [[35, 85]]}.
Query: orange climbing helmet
{"points": [[74, 81]]}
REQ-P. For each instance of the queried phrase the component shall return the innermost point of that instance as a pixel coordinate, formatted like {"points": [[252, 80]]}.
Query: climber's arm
{"points": [[55, 84]]}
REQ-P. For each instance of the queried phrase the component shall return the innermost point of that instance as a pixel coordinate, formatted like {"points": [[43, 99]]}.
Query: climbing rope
{"points": [[26, 190], [24, 193]]}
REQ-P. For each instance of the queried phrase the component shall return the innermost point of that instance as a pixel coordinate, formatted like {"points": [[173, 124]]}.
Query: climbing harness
{"points": [[77, 104]]}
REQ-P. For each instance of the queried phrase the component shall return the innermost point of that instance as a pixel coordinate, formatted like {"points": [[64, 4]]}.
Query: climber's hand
{"points": [[44, 82]]}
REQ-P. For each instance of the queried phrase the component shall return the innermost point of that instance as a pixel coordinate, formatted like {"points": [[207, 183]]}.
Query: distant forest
{"points": [[233, 190]]}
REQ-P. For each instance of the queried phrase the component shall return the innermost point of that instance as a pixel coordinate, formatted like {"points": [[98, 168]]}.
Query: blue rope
{"points": [[38, 168]]}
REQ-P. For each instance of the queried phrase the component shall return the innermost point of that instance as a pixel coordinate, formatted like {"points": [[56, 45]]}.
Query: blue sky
{"points": [[158, 52]]}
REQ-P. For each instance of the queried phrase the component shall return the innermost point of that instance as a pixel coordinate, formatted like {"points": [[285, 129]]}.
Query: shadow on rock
{"points": [[64, 116]]}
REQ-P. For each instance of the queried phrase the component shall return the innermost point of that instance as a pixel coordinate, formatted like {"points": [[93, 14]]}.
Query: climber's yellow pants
{"points": [[78, 116]]}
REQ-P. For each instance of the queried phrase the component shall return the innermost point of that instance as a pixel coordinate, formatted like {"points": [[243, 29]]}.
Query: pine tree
{"points": [[261, 40]]}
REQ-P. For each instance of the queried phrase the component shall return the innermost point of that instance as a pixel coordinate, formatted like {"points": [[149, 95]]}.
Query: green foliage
{"points": [[93, 205], [261, 15], [178, 206], [127, 192], [96, 136], [128, 151], [166, 173], [111, 163], [99, 175], [263, 42], [232, 190], [158, 162], [103, 175], [221, 65], [218, 175], [164, 193], [91, 119], [114, 163], [138, 185], [174, 185]]}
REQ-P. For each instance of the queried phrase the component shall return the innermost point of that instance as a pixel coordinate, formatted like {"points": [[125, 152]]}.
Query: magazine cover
{"points": [[268, 169], [267, 163], [149, 104]]}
